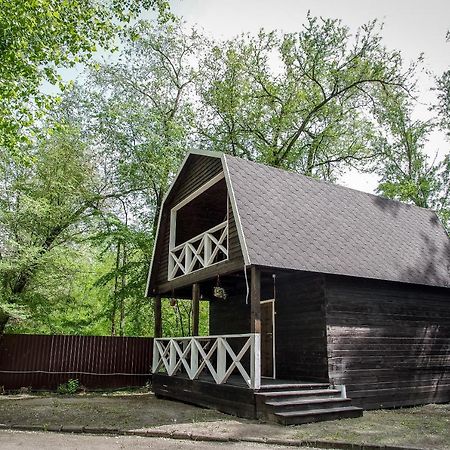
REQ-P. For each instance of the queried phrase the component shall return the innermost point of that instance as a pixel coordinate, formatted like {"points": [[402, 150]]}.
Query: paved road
{"points": [[24, 440]]}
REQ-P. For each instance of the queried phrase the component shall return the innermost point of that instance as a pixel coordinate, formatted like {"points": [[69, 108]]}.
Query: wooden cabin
{"points": [[323, 299]]}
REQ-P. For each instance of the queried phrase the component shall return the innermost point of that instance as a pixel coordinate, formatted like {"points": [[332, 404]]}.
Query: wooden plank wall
{"points": [[230, 316], [300, 327], [389, 343], [230, 399], [44, 362]]}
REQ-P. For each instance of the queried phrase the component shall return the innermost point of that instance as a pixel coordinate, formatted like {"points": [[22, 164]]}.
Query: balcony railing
{"points": [[201, 251], [218, 356]]}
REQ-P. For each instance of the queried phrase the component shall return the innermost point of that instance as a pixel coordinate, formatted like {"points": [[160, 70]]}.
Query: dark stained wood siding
{"points": [[389, 343], [230, 316], [228, 398], [196, 172], [300, 339]]}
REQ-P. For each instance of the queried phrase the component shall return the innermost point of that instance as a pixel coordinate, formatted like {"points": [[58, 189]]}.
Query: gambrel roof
{"points": [[295, 222], [291, 221]]}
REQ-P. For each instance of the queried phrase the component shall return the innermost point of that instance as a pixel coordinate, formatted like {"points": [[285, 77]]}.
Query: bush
{"points": [[71, 387]]}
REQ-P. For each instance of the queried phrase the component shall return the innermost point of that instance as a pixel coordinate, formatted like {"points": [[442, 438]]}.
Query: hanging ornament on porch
{"points": [[173, 301], [219, 292]]}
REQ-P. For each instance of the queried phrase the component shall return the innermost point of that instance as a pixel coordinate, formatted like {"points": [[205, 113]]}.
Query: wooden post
{"points": [[255, 300], [158, 319], [195, 308]]}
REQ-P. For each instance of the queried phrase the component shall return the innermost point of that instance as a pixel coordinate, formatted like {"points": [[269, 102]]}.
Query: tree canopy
{"points": [[78, 213], [40, 37], [299, 100]]}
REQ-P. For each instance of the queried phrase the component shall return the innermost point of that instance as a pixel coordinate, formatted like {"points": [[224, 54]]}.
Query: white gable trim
{"points": [[193, 152], [237, 217]]}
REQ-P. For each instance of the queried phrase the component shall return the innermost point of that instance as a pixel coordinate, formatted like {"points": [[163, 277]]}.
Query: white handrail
{"points": [[191, 355], [202, 249], [199, 236]]}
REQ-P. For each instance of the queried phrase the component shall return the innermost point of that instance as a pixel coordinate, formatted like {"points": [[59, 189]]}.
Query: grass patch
{"points": [[425, 427]]}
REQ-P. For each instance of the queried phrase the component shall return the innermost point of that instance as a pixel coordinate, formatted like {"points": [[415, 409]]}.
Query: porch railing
{"points": [[201, 251], [212, 355]]}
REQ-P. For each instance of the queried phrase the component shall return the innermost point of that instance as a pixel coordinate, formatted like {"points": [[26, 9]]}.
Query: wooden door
{"points": [[267, 339]]}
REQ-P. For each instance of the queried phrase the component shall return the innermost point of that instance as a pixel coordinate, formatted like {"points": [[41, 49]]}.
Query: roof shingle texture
{"points": [[295, 222]]}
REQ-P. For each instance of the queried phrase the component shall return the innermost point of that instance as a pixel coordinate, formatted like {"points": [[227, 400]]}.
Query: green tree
{"points": [[44, 209], [443, 96], [407, 172], [298, 100], [137, 109], [38, 38]]}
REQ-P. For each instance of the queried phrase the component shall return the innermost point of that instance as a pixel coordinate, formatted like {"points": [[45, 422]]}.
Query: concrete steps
{"points": [[297, 403]]}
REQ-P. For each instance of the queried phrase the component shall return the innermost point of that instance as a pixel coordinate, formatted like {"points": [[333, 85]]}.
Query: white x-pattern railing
{"points": [[211, 354], [201, 251]]}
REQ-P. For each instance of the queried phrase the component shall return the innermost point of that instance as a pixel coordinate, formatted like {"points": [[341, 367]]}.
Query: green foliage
{"points": [[443, 96], [69, 388], [407, 173], [176, 319], [298, 100], [42, 209], [38, 38]]}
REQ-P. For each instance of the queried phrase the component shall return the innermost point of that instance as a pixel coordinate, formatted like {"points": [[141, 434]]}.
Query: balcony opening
{"points": [[199, 230]]}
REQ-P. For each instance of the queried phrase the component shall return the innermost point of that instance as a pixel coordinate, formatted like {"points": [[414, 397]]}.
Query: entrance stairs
{"points": [[296, 403]]}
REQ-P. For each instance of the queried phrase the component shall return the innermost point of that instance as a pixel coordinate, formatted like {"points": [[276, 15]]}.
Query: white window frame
{"points": [[274, 370], [173, 218]]}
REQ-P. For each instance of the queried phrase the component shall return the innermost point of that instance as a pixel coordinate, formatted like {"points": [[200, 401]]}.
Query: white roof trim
{"points": [[147, 287], [237, 217], [193, 152]]}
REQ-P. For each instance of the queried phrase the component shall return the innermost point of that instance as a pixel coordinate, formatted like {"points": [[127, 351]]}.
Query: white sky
{"points": [[411, 26]]}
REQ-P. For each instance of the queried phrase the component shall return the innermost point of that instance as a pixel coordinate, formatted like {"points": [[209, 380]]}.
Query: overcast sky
{"points": [[411, 26]]}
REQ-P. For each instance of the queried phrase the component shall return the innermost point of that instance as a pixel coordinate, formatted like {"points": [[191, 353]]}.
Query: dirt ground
{"points": [[425, 427], [125, 411]]}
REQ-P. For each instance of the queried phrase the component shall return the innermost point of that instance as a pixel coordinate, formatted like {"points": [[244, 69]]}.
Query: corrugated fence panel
{"points": [[44, 362]]}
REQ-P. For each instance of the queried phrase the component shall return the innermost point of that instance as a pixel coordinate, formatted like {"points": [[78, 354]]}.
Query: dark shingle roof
{"points": [[295, 222]]}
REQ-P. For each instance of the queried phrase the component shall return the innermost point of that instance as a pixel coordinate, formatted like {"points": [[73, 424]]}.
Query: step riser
{"points": [[300, 397], [307, 406], [317, 417], [293, 387], [311, 403]]}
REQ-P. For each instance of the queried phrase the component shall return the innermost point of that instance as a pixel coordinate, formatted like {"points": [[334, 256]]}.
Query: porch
{"points": [[223, 373], [249, 366]]}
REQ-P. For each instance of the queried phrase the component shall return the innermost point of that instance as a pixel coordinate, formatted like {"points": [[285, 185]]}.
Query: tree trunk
{"points": [[3, 321], [116, 279], [122, 299]]}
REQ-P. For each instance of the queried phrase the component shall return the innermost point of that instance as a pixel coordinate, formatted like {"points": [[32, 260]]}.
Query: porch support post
{"points": [[255, 300], [195, 308], [158, 317]]}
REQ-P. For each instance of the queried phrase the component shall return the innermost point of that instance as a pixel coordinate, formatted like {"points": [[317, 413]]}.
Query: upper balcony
{"points": [[199, 230]]}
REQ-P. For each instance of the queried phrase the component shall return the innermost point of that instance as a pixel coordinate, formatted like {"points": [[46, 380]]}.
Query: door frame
{"points": [[272, 300]]}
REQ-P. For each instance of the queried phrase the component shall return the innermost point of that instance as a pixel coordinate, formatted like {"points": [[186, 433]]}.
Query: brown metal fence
{"points": [[44, 362]]}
